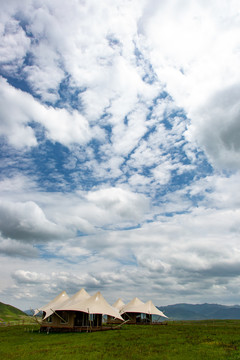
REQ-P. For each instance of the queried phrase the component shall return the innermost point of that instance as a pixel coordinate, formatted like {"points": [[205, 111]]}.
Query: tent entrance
{"points": [[96, 319], [143, 318], [85, 319], [81, 319]]}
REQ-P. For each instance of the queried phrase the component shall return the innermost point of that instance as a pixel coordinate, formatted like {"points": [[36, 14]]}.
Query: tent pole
{"points": [[90, 322], [119, 325], [65, 322]]}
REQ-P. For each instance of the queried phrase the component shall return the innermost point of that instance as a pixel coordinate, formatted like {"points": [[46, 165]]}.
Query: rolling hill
{"points": [[10, 313]]}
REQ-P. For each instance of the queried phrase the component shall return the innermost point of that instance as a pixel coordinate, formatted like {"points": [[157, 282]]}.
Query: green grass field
{"points": [[17, 320], [178, 340]]}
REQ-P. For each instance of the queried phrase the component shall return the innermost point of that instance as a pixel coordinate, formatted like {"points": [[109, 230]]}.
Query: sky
{"points": [[120, 150]]}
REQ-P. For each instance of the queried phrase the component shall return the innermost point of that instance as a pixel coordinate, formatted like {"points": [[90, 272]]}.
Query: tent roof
{"points": [[80, 296], [96, 304], [132, 306], [59, 299], [118, 304]]}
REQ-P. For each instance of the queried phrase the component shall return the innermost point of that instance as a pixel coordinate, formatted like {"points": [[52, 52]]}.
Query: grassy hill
{"points": [[9, 313]]}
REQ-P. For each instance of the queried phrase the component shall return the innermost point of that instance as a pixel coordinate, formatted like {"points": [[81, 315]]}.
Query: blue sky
{"points": [[120, 155]]}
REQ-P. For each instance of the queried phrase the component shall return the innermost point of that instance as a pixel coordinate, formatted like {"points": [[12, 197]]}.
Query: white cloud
{"points": [[18, 109], [62, 215], [14, 45], [29, 277], [14, 122], [217, 191], [118, 205], [162, 173]]}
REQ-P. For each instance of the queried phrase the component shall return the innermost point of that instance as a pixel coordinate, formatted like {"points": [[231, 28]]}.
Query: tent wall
{"points": [[58, 321], [72, 319], [132, 318]]}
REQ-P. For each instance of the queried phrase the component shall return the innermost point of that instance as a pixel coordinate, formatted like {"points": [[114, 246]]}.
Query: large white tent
{"points": [[137, 306], [95, 304]]}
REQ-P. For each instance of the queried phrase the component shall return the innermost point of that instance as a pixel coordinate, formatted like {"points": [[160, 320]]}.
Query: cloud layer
{"points": [[120, 167]]}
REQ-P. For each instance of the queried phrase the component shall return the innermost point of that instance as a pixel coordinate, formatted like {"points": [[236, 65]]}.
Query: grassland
{"points": [[177, 340]]}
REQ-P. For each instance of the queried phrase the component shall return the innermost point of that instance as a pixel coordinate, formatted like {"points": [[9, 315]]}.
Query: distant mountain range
{"points": [[200, 311], [29, 312]]}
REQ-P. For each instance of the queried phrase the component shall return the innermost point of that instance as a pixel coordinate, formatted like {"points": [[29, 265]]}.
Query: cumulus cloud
{"points": [[26, 222]]}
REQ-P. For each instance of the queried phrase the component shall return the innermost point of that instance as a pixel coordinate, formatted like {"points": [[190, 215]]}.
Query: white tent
{"points": [[137, 306], [96, 304], [119, 304], [57, 301]]}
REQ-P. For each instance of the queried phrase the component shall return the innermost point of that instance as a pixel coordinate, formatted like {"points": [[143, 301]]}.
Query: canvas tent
{"points": [[96, 304], [60, 310], [137, 311], [81, 311]]}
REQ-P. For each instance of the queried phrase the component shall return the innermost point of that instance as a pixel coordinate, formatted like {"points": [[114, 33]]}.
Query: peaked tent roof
{"points": [[132, 306], [118, 304], [80, 296], [96, 304], [59, 299]]}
